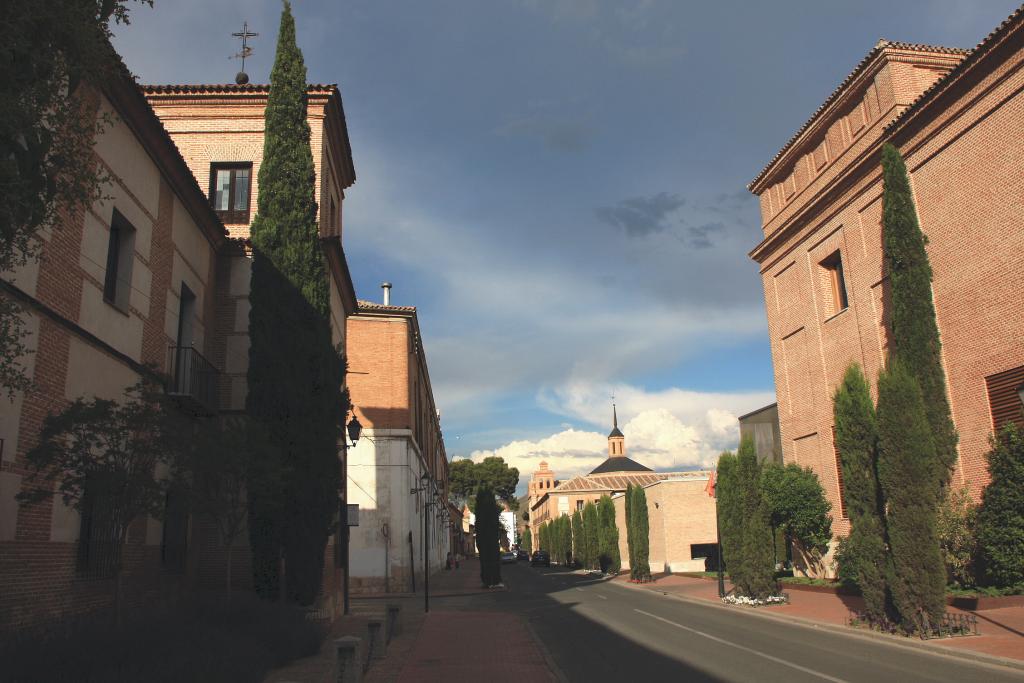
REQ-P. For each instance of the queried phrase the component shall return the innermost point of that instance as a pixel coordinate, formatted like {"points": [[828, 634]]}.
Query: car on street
{"points": [[508, 558], [541, 557], [523, 555]]}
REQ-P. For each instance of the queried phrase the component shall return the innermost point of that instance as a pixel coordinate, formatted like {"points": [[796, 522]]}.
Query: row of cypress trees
{"points": [[295, 373], [589, 537], [897, 458]]}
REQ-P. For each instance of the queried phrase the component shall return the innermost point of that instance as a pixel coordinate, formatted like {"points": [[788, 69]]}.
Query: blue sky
{"points": [[559, 187]]}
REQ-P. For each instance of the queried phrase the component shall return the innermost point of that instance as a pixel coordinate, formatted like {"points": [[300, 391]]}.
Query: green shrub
{"points": [[1001, 514]]}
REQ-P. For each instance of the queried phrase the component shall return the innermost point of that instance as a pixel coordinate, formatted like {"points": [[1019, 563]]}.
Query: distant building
{"points": [[762, 425], [955, 116], [508, 523], [398, 471]]}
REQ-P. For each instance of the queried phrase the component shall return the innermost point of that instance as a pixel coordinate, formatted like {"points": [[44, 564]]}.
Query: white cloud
{"points": [[674, 429]]}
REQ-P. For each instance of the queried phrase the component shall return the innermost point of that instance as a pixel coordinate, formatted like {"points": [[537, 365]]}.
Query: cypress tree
{"points": [[857, 443], [630, 533], [915, 332], [1001, 515], [642, 527], [730, 519], [578, 538], [293, 378], [592, 533], [565, 539], [487, 529], [527, 542], [609, 537], [908, 470], [757, 571]]}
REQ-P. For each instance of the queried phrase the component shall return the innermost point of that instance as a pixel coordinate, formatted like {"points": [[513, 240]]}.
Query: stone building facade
{"points": [[119, 286], [402, 443], [151, 277], [956, 116]]}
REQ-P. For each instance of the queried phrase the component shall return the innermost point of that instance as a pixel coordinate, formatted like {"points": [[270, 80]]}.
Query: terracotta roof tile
{"points": [[374, 306], [981, 49], [221, 88], [861, 65]]}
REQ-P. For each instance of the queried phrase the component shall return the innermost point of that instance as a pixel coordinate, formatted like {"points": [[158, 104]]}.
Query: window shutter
{"points": [[1003, 399]]}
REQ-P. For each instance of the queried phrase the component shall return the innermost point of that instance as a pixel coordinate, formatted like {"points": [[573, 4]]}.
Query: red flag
{"points": [[712, 483]]}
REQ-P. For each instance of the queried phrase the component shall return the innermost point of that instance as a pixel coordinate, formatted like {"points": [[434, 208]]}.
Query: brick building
{"points": [[398, 471], [957, 116], [150, 275], [129, 282]]}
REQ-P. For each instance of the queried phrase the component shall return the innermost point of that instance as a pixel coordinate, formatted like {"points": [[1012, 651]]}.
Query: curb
{"points": [[894, 641], [549, 661]]}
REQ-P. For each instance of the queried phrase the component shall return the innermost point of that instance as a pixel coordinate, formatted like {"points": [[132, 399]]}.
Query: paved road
{"points": [[600, 631]]}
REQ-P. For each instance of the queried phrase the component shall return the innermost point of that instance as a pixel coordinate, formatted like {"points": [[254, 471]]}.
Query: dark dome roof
{"points": [[620, 463], [615, 432]]}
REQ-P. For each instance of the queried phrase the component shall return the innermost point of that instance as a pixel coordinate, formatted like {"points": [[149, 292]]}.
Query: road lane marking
{"points": [[601, 596], [769, 657]]}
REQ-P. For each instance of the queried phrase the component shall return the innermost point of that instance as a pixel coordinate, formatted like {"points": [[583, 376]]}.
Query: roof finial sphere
{"points": [[241, 78]]}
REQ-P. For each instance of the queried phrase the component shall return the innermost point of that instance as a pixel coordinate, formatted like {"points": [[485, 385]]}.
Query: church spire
{"points": [[616, 440]]}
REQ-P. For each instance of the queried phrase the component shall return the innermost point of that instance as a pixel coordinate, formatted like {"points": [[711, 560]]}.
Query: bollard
{"points": [[394, 622], [348, 667], [377, 645]]}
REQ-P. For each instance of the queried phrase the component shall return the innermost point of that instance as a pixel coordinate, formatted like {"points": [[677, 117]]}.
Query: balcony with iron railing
{"points": [[192, 379]]}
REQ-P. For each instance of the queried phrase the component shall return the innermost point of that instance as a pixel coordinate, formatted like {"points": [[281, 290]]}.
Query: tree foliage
{"points": [[591, 536], [640, 528], [915, 332], [909, 471], [754, 576], [578, 538], [526, 542], [630, 533], [105, 458], [467, 477], [488, 527], [730, 518], [608, 537], [798, 506], [1001, 514], [294, 378], [55, 54], [955, 524], [864, 559]]}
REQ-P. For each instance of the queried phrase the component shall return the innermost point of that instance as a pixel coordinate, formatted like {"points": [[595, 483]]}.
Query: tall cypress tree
{"points": [[730, 515], [592, 534], [294, 377], [857, 443], [642, 544], [915, 331], [1001, 514], [609, 536], [907, 471], [578, 538], [757, 572], [488, 526]]}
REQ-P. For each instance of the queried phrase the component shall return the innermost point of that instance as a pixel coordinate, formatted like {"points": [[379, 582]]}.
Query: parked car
{"points": [[523, 555], [508, 558], [541, 557]]}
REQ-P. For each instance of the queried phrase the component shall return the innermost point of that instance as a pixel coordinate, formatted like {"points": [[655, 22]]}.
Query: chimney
{"points": [[386, 286]]}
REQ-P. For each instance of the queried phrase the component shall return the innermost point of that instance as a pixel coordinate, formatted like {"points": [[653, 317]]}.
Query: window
{"points": [[702, 551], [1003, 398], [229, 191], [117, 281], [835, 285], [579, 505], [98, 545]]}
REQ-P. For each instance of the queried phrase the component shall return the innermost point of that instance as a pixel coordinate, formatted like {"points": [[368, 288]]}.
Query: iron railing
{"points": [[193, 377]]}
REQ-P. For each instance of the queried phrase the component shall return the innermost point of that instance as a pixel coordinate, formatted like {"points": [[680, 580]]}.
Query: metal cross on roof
{"points": [[244, 34]]}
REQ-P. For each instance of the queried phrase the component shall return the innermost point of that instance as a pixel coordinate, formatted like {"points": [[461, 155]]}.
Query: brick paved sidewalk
{"points": [[468, 646], [1002, 630]]}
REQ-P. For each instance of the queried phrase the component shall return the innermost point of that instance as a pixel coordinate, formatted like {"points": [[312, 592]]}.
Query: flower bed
{"points": [[780, 599]]}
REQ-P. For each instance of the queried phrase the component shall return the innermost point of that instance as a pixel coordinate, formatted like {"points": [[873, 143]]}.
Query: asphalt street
{"points": [[596, 630]]}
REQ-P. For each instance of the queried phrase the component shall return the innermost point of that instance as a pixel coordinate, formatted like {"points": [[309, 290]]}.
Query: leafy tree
{"points": [[542, 537], [641, 545], [487, 528], [915, 332], [909, 471], [608, 537], [1001, 514], [578, 538], [730, 515], [798, 507], [527, 541], [294, 378], [755, 575], [102, 458], [957, 517], [216, 471], [591, 534], [56, 53], [467, 477], [864, 559]]}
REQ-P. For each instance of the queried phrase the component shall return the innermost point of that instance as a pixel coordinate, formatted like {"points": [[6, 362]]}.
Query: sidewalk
{"points": [[1002, 630]]}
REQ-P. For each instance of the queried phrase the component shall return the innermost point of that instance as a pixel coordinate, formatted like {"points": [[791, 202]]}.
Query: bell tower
{"points": [[616, 439]]}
